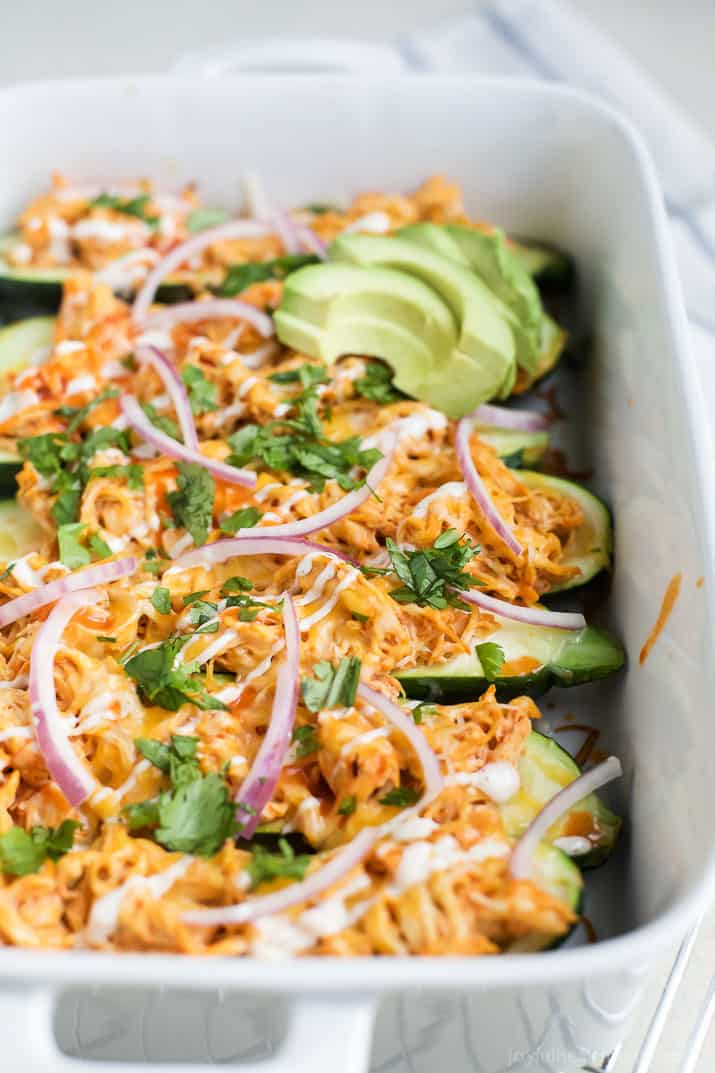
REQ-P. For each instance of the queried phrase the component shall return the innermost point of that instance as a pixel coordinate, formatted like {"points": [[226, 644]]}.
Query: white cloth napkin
{"points": [[546, 39]]}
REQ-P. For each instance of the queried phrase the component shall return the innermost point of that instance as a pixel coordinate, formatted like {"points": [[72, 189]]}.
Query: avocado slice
{"points": [[333, 309], [544, 769], [544, 263], [488, 255], [486, 333], [561, 658]]}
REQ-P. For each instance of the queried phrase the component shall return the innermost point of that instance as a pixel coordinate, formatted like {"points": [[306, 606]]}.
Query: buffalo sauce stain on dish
{"points": [[700, 582], [590, 930], [671, 595], [592, 736]]}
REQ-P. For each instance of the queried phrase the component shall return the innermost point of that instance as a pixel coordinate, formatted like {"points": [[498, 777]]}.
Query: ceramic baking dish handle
{"points": [[324, 1035], [291, 55]]}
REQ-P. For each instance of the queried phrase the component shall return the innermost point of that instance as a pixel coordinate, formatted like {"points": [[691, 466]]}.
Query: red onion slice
{"points": [[531, 616], [43, 595], [336, 511], [344, 859], [311, 242], [234, 547], [169, 376], [502, 417], [258, 786], [69, 771], [168, 446], [476, 486], [234, 229], [211, 309], [406, 725], [521, 865]]}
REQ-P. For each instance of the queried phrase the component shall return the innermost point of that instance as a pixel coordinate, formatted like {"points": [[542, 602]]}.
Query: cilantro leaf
{"points": [[429, 575], [243, 518], [135, 206], [202, 392], [164, 681], [305, 741], [307, 375], [491, 657], [347, 806], [133, 472], [23, 852], [161, 600], [99, 547], [197, 814], [79, 414], [72, 553], [239, 277], [203, 218], [377, 384], [165, 424], [193, 502], [332, 687], [286, 864], [400, 796], [236, 584]]}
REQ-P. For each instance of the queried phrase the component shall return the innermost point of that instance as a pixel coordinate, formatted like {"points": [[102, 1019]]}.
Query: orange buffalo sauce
{"points": [[671, 595]]}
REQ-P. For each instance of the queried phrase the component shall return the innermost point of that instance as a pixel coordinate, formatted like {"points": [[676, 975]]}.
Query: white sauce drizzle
{"points": [[499, 780], [364, 739], [104, 917], [329, 604], [450, 490], [573, 845], [412, 427]]}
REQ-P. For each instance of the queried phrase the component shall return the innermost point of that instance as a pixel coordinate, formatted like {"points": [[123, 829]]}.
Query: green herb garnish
{"points": [[239, 277], [24, 852], [491, 657], [192, 503], [202, 392], [429, 576], [286, 864], [243, 518], [333, 686], [134, 206], [400, 796], [163, 680], [201, 219], [347, 806], [161, 600], [305, 741], [377, 384]]}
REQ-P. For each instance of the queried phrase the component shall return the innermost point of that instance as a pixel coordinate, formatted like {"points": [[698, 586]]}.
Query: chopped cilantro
{"points": [[73, 553], [429, 575], [165, 424], [203, 218], [133, 472], [491, 657], [202, 392], [192, 597], [305, 741], [307, 375], [286, 864], [99, 547], [79, 414], [377, 384], [153, 562], [106, 640], [319, 208], [161, 600], [243, 518], [422, 710], [236, 584], [347, 806], [23, 852], [164, 681], [196, 815], [332, 687], [239, 277], [193, 502], [400, 796], [134, 206]]}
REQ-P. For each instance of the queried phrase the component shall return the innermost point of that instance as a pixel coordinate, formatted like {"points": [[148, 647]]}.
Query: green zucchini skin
{"points": [[568, 658], [544, 769], [591, 546], [545, 264], [18, 343], [515, 448], [557, 874]]}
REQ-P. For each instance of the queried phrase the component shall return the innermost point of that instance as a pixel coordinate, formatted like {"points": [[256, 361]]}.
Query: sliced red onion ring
{"points": [[234, 229], [214, 308], [258, 786], [169, 376], [344, 859], [503, 417], [168, 446], [310, 241], [335, 511], [69, 771], [521, 865], [406, 725], [234, 547], [531, 616], [43, 595], [476, 486]]}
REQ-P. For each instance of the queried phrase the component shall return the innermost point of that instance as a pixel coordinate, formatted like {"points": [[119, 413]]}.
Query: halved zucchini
{"points": [[19, 343], [535, 658], [544, 769], [31, 292], [557, 874], [591, 545], [514, 447], [19, 532], [544, 263]]}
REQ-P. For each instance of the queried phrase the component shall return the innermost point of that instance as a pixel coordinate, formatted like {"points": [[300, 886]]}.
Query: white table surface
{"points": [[674, 41]]}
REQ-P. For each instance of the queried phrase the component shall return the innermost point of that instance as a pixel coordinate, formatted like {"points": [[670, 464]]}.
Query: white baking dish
{"points": [[545, 162]]}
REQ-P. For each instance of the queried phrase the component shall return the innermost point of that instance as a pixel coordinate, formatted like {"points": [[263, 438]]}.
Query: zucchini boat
{"points": [[19, 343], [591, 545], [557, 874], [27, 291], [515, 447], [535, 659], [544, 769], [20, 533], [544, 263]]}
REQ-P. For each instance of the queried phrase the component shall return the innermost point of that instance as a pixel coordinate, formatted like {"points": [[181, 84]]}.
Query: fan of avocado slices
{"points": [[453, 310]]}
